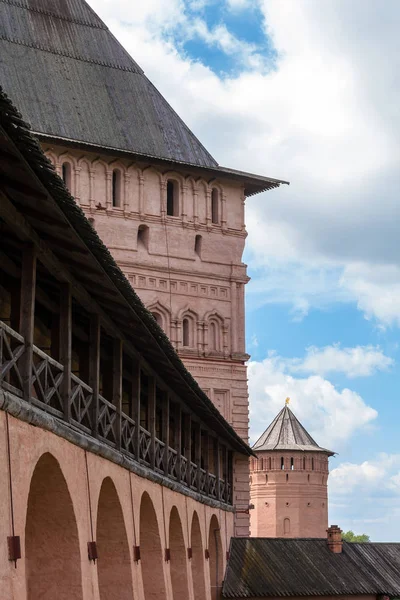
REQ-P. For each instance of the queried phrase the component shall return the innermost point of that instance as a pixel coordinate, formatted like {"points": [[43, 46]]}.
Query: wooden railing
{"points": [[47, 391]]}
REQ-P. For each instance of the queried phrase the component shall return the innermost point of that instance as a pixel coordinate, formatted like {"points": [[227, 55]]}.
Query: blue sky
{"points": [[308, 92]]}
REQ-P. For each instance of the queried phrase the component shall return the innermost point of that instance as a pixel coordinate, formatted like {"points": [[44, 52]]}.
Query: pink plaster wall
{"points": [[170, 277], [28, 444], [289, 503]]}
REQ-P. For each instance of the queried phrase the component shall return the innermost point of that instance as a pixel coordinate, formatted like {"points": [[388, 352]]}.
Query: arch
{"points": [[216, 562], [163, 312], [312, 464], [186, 332], [304, 462], [100, 169], [178, 568], [198, 242], [287, 477], [84, 180], [66, 174], [269, 463], [51, 157], [197, 563], [51, 536], [143, 236], [188, 319], [282, 463], [291, 463], [116, 188], [215, 206], [150, 552], [113, 567], [286, 526], [172, 198]]}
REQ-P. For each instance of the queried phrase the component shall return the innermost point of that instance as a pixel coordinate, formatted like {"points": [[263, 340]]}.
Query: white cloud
{"points": [[331, 415], [360, 361], [370, 475]]}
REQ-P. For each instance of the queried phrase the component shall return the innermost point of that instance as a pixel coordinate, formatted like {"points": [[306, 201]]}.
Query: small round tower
{"points": [[289, 481]]}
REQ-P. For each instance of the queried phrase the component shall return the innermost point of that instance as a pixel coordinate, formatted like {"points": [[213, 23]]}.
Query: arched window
{"points": [[287, 477], [291, 464], [215, 206], [312, 464], [116, 188], [158, 318], [269, 463], [197, 244], [266, 478], [308, 478], [172, 198], [143, 236], [67, 175], [282, 463], [286, 526], [186, 332], [304, 462]]}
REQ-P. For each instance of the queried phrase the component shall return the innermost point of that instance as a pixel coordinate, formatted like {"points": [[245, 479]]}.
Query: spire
{"points": [[287, 433]]}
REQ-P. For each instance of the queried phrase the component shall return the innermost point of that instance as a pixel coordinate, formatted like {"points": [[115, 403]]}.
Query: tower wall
{"points": [[187, 268], [289, 493]]}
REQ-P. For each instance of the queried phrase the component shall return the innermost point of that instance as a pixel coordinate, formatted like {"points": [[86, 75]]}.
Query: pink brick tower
{"points": [[289, 481]]}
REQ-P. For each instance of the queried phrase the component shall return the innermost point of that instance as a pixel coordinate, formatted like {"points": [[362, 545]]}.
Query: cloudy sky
{"points": [[307, 91]]}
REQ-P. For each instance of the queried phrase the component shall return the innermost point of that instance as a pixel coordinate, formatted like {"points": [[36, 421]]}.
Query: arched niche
{"points": [[113, 565], [53, 561], [216, 559], [178, 568], [151, 552], [197, 562]]}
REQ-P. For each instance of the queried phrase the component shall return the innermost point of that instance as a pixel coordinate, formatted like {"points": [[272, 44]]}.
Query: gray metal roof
{"points": [[265, 567], [72, 79], [287, 433]]}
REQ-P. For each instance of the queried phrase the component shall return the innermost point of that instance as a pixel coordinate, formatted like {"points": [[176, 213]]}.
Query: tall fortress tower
{"points": [[170, 215], [289, 481]]}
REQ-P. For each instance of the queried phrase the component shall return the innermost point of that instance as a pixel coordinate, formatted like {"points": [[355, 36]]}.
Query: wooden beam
{"points": [[136, 406], [188, 449], [178, 439], [197, 451], [27, 315], [94, 369], [152, 419], [165, 433], [65, 351], [117, 387]]}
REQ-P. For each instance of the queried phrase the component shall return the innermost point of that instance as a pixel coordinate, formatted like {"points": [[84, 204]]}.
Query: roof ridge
{"points": [[50, 13], [68, 54]]}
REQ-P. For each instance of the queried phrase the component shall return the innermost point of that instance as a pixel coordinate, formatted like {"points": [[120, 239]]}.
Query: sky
{"points": [[307, 91]]}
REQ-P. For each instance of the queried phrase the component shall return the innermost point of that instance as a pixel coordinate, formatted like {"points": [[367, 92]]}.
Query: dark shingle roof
{"points": [[265, 567], [72, 79], [287, 433], [24, 167]]}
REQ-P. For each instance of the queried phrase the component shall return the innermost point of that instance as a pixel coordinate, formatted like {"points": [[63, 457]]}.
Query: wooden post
{"points": [[165, 433], [65, 352], [117, 387], [206, 459], [94, 369], [188, 449], [178, 439], [197, 453], [27, 316], [217, 466], [136, 407], [152, 420]]}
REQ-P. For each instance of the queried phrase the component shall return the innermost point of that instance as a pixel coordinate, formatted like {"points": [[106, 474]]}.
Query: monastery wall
{"points": [[64, 497]]}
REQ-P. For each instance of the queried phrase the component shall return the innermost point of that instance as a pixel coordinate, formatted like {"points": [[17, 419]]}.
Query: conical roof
{"points": [[287, 433], [72, 80]]}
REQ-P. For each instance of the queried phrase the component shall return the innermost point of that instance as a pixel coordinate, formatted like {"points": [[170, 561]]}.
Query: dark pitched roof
{"points": [[287, 433], [36, 190], [264, 567], [72, 79], [74, 82]]}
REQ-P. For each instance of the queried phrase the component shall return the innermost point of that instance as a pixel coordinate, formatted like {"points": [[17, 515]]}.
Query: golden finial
{"points": [[287, 401]]}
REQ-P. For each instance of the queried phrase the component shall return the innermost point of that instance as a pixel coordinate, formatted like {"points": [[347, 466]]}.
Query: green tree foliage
{"points": [[349, 536]]}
